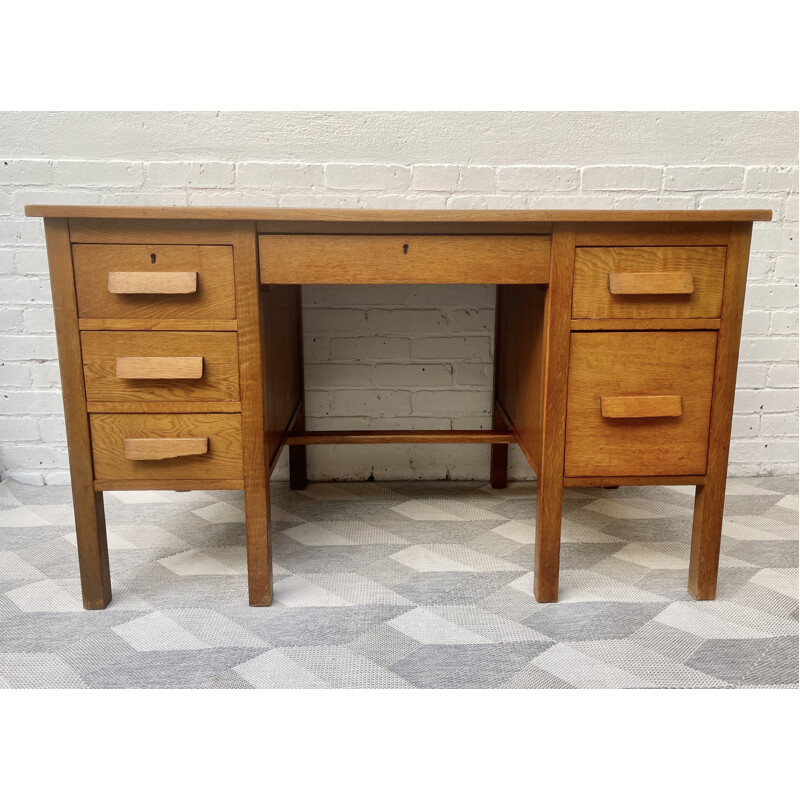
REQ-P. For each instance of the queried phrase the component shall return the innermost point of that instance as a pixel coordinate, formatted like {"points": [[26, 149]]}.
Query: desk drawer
{"points": [[168, 446], [639, 403], [648, 282], [147, 366], [154, 281], [404, 259]]}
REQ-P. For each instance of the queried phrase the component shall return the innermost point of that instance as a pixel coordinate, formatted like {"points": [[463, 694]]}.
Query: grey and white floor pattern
{"points": [[401, 585]]}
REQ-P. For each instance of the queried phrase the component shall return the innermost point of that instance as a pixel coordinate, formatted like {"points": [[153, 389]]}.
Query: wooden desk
{"points": [[180, 341]]}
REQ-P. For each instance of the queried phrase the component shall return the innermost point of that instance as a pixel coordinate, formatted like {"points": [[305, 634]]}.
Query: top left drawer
{"points": [[154, 281]]}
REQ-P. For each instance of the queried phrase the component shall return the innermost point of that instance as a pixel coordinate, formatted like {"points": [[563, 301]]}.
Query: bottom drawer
{"points": [[170, 446], [639, 403]]}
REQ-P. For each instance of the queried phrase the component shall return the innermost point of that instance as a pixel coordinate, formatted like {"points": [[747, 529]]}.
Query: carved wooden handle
{"points": [[666, 405], [164, 368], [152, 282], [159, 449], [650, 282]]}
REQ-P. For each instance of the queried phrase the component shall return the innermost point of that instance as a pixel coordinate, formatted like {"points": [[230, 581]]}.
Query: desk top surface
{"points": [[385, 215]]}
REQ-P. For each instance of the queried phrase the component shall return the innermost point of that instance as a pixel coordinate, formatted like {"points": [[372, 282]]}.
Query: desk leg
{"points": [[558, 306], [90, 526], [710, 498], [499, 458], [259, 551], [298, 473], [709, 502], [498, 465], [252, 383], [90, 520]]}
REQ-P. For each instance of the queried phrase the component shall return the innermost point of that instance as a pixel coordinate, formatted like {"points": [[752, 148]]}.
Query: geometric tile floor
{"points": [[401, 585]]}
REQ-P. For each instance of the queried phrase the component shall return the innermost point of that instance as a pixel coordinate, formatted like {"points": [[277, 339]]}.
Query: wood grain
{"points": [[639, 363], [253, 377], [152, 282], [163, 448], [163, 407], [401, 437], [498, 453], [710, 498], [214, 353], [213, 299], [554, 412], [157, 324], [151, 231], [383, 215], [636, 407], [405, 227], [692, 230], [650, 283], [160, 367], [403, 259], [645, 324], [282, 321], [223, 459], [298, 462], [519, 364], [597, 269], [87, 502], [614, 481], [534, 348], [167, 484]]}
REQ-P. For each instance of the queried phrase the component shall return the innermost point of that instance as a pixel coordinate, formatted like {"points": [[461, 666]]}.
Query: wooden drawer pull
{"points": [[163, 368], [159, 449], [647, 406], [152, 282], [650, 283]]}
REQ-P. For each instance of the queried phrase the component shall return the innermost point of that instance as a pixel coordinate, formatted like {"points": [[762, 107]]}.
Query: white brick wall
{"points": [[390, 356]]}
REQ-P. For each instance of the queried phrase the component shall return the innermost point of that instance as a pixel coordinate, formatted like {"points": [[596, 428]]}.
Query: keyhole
{"points": [[405, 249], [152, 258]]}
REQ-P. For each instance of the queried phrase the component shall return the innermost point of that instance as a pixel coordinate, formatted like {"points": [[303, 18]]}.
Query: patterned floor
{"points": [[401, 585]]}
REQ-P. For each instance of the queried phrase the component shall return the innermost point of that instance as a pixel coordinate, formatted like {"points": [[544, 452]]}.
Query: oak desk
{"points": [[180, 342]]}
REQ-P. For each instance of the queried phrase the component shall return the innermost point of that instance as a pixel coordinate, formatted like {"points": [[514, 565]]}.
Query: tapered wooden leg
{"points": [[298, 472], [251, 380], [499, 455], [548, 537], [90, 527], [709, 499], [90, 521], [709, 502], [259, 551], [555, 369], [298, 475]]}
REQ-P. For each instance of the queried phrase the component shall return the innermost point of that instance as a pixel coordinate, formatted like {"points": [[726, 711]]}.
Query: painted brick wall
{"points": [[391, 356]]}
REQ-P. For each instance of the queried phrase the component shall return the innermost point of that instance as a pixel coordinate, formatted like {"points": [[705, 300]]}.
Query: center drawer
{"points": [[639, 403], [160, 366], [403, 259]]}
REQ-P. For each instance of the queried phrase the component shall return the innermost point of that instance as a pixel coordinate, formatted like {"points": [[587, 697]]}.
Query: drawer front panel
{"points": [[648, 282], [639, 403], [404, 259], [139, 366], [154, 281], [168, 446]]}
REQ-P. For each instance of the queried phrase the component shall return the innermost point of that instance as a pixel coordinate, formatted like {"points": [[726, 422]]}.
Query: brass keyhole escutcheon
{"points": [[405, 249]]}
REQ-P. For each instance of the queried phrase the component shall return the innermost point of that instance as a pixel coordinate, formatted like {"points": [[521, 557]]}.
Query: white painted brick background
{"points": [[392, 356]]}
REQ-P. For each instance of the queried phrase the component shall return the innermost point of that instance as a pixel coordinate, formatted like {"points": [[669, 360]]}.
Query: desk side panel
{"points": [[90, 522], [282, 345], [519, 360]]}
